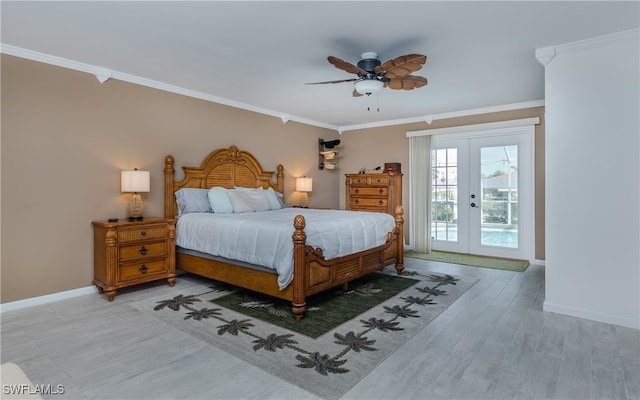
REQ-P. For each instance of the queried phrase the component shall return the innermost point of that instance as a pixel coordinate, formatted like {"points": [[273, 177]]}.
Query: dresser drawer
{"points": [[379, 180], [142, 233], [370, 191], [153, 249], [366, 180], [141, 269], [359, 202]]}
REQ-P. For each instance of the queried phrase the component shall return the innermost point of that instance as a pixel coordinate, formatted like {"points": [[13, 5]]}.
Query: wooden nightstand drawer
{"points": [[370, 191], [141, 269], [142, 233], [147, 250]]}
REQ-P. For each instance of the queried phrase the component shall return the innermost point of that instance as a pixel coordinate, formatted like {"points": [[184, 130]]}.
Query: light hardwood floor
{"points": [[494, 342]]}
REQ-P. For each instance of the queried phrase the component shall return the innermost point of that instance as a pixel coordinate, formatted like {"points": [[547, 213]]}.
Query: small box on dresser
{"points": [[130, 253], [377, 192]]}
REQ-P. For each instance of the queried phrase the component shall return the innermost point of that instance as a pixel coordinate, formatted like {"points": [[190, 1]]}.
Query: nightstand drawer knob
{"points": [[143, 233], [357, 191], [143, 250], [381, 202], [143, 269], [357, 201]]}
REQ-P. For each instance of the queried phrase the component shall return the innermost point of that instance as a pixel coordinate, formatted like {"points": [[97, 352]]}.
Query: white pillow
{"points": [[248, 200]]}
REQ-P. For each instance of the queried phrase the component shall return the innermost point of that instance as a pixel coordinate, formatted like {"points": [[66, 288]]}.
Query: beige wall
{"points": [[65, 137]]}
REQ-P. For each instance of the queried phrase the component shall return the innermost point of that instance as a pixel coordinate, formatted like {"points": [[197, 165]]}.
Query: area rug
{"points": [[469, 259], [329, 365]]}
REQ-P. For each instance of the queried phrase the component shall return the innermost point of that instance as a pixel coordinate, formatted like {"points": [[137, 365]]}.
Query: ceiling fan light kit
{"points": [[368, 86]]}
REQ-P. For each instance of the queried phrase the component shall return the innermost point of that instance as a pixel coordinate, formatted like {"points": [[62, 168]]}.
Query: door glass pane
{"points": [[499, 200], [444, 195]]}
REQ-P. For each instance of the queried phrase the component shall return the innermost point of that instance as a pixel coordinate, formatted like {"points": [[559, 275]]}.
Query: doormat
{"points": [[471, 260]]}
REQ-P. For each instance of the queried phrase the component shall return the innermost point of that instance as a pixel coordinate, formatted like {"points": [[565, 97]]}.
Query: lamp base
{"points": [[135, 208]]}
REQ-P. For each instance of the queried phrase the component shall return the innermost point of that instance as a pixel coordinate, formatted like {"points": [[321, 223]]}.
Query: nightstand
{"points": [[129, 253]]}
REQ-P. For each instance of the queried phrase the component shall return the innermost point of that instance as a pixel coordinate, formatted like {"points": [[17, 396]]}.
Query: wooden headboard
{"points": [[223, 167]]}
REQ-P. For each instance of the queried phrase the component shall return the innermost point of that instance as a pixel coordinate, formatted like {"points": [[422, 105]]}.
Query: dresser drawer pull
{"points": [[143, 250], [356, 201], [143, 233], [143, 269], [381, 191], [357, 191], [381, 202]]}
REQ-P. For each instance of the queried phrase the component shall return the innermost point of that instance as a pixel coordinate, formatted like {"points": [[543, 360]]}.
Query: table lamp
{"points": [[134, 181], [304, 185]]}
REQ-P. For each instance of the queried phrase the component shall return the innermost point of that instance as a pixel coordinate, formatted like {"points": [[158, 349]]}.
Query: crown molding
{"points": [[103, 74]]}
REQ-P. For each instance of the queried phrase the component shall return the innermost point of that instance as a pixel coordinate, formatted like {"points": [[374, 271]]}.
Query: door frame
{"points": [[527, 235]]}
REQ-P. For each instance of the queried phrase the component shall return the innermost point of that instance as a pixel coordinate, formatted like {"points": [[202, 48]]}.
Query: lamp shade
{"points": [[304, 184], [134, 181], [368, 86]]}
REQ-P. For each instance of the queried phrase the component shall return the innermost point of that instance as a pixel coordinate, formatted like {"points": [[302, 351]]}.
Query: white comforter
{"points": [[265, 238]]}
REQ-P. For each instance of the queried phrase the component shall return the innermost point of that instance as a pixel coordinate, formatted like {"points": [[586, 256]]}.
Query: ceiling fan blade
{"points": [[406, 82], [339, 81], [346, 66], [403, 65], [356, 94]]}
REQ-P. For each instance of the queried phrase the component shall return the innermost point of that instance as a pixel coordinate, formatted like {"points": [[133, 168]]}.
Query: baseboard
{"points": [[538, 262], [592, 315], [49, 298]]}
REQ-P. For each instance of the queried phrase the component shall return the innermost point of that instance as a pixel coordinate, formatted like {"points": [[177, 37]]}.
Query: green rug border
{"points": [[471, 260]]}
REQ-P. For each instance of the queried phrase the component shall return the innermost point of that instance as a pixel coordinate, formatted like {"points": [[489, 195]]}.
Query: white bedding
{"points": [[265, 238]]}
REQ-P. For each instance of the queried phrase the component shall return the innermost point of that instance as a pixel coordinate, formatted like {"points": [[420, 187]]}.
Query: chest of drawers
{"points": [[129, 253], [381, 192]]}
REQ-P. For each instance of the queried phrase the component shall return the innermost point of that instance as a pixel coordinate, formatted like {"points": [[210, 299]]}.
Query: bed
{"points": [[312, 270]]}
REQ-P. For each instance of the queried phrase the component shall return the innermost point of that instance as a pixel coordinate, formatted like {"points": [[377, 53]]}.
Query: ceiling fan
{"points": [[374, 75]]}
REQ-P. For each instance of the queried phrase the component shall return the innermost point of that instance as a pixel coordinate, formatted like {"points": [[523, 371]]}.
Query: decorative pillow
{"points": [[249, 200], [192, 200], [280, 197], [272, 196], [219, 200]]}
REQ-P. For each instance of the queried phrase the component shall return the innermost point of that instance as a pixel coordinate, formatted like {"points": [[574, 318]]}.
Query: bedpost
{"points": [[400, 240], [299, 304], [280, 178], [169, 195]]}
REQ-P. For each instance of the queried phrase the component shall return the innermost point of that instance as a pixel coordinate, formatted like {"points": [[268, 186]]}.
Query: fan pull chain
{"points": [[377, 101]]}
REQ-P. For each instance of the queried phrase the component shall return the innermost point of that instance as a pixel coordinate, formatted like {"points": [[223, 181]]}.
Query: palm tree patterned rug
{"points": [[328, 360]]}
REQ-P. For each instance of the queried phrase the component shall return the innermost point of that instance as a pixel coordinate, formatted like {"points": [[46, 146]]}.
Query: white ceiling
{"points": [[259, 55]]}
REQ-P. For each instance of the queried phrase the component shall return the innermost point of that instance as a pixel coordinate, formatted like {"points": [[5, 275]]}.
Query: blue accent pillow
{"points": [[192, 200], [219, 200], [274, 201]]}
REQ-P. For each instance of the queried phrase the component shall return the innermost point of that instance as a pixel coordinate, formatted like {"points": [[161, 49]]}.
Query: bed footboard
{"points": [[313, 274]]}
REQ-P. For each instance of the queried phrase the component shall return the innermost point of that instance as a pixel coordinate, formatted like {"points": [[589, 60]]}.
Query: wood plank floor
{"points": [[494, 342]]}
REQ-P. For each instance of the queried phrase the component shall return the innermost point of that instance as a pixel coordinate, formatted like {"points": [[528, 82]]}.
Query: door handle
{"points": [[474, 205]]}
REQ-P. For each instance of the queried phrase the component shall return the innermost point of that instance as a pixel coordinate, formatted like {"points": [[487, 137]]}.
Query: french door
{"points": [[482, 194]]}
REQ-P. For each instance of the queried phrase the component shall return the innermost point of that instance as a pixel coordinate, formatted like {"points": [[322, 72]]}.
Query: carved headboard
{"points": [[223, 167]]}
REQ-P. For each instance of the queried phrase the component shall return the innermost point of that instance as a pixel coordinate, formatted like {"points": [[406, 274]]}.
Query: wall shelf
{"points": [[327, 153]]}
